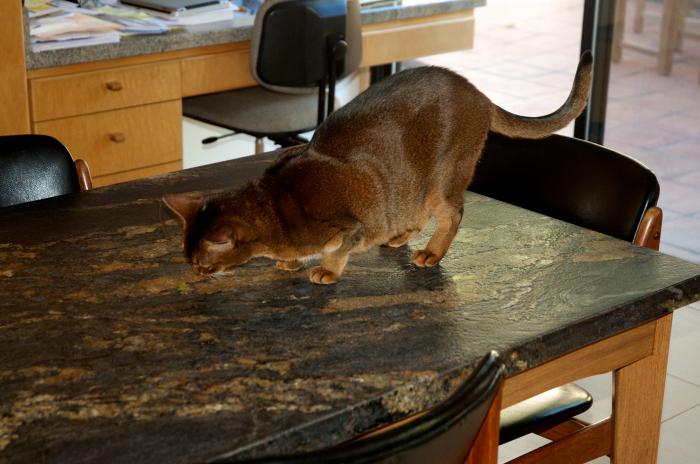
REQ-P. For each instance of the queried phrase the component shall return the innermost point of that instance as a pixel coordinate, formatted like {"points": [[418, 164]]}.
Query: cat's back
{"points": [[386, 109], [406, 90]]}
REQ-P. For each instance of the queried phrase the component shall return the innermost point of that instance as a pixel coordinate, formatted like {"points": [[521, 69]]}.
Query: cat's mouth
{"points": [[208, 270]]}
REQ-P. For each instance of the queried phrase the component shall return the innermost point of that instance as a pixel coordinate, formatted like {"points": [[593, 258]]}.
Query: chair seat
{"points": [[543, 411], [255, 111]]}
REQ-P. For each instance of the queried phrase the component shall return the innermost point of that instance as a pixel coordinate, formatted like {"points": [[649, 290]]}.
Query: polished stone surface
{"points": [[238, 30], [114, 351]]}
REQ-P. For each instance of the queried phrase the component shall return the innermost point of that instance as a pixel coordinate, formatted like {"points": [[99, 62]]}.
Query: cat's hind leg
{"points": [[335, 255], [448, 218]]}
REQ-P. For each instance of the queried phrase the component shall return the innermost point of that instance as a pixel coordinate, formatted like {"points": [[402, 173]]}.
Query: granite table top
{"points": [[238, 30], [113, 350]]}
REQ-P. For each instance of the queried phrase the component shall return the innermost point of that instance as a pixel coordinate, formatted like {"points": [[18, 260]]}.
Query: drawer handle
{"points": [[114, 86], [117, 137]]}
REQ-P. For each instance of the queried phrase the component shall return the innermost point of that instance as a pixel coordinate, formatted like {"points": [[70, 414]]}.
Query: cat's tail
{"points": [[513, 125]]}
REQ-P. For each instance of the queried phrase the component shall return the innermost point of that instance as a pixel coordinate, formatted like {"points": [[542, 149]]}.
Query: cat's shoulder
{"points": [[286, 156]]}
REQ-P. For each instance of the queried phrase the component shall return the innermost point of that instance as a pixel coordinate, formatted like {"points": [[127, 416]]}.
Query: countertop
{"points": [[113, 350], [238, 30]]}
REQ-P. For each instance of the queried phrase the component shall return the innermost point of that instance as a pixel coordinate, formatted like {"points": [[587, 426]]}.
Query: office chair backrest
{"points": [[291, 42], [569, 179], [33, 167], [445, 434]]}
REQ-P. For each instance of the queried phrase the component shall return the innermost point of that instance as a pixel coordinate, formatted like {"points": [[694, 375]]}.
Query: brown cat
{"points": [[374, 173]]}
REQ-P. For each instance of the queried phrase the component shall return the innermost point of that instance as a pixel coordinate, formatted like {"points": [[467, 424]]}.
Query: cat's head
{"points": [[216, 239]]}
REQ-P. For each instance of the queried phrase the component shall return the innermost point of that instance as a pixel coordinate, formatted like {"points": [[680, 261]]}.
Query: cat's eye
{"points": [[208, 245], [220, 235]]}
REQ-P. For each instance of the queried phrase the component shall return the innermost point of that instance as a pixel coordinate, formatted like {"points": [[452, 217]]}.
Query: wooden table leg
{"points": [[638, 399]]}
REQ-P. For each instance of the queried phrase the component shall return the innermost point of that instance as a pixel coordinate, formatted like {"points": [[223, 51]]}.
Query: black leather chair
{"points": [[33, 167], [446, 434], [298, 50], [584, 184]]}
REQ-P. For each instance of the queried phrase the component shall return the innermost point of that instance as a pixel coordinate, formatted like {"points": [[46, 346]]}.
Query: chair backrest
{"points": [[445, 434], [569, 179], [33, 167], [292, 40]]}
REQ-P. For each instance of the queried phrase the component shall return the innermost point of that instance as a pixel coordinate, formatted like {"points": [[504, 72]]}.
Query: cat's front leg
{"points": [[335, 255]]}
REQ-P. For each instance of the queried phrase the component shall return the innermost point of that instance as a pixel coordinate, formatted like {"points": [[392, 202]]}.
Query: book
{"points": [[176, 7]]}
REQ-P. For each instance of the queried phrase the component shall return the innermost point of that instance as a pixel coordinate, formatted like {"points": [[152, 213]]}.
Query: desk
{"points": [[118, 106], [114, 351]]}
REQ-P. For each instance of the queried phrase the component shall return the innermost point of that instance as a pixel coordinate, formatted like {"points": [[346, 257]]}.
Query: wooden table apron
{"points": [[113, 350]]}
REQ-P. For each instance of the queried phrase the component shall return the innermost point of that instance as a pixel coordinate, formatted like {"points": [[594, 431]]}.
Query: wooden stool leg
{"points": [[667, 39], [637, 402], [618, 30], [638, 25], [259, 146]]}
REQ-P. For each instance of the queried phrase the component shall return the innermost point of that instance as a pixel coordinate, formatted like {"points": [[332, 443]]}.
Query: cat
{"points": [[374, 173]]}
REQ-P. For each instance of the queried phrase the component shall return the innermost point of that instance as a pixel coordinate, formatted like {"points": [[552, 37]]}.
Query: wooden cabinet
{"points": [[117, 141], [126, 121]]}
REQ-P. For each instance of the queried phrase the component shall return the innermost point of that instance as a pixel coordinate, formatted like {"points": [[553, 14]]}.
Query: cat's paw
{"points": [[320, 275], [293, 265], [425, 258]]}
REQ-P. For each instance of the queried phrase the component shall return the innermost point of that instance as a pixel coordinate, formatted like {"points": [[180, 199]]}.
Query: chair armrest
{"points": [[649, 233], [83, 171]]}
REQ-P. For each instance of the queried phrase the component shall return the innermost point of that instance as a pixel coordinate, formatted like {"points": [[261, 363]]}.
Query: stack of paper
{"points": [[133, 20], [56, 24], [37, 8], [222, 10], [72, 30]]}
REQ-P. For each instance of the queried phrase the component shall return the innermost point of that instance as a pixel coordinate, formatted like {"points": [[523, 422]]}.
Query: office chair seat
{"points": [[256, 111], [299, 50], [34, 167]]}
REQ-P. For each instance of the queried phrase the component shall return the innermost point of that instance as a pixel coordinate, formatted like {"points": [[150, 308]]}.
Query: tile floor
{"points": [[524, 57]]}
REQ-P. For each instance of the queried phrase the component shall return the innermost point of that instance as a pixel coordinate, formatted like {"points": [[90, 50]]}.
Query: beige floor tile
{"points": [[683, 232], [679, 439], [691, 179], [678, 252], [684, 354], [679, 397], [520, 446]]}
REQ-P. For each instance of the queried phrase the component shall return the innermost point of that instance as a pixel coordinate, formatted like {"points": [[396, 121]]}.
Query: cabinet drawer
{"points": [[62, 96], [216, 73], [121, 140]]}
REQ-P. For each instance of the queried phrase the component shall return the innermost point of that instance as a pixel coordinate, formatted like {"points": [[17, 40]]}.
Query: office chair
{"points": [[461, 429], [584, 184], [34, 167], [299, 49]]}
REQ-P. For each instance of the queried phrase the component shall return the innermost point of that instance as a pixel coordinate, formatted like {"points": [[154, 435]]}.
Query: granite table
{"points": [[113, 350]]}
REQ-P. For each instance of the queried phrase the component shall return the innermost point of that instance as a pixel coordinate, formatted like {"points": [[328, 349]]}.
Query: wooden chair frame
{"points": [[84, 178], [576, 441]]}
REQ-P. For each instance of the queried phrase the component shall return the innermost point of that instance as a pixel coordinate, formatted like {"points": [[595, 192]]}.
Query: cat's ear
{"points": [[185, 205]]}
